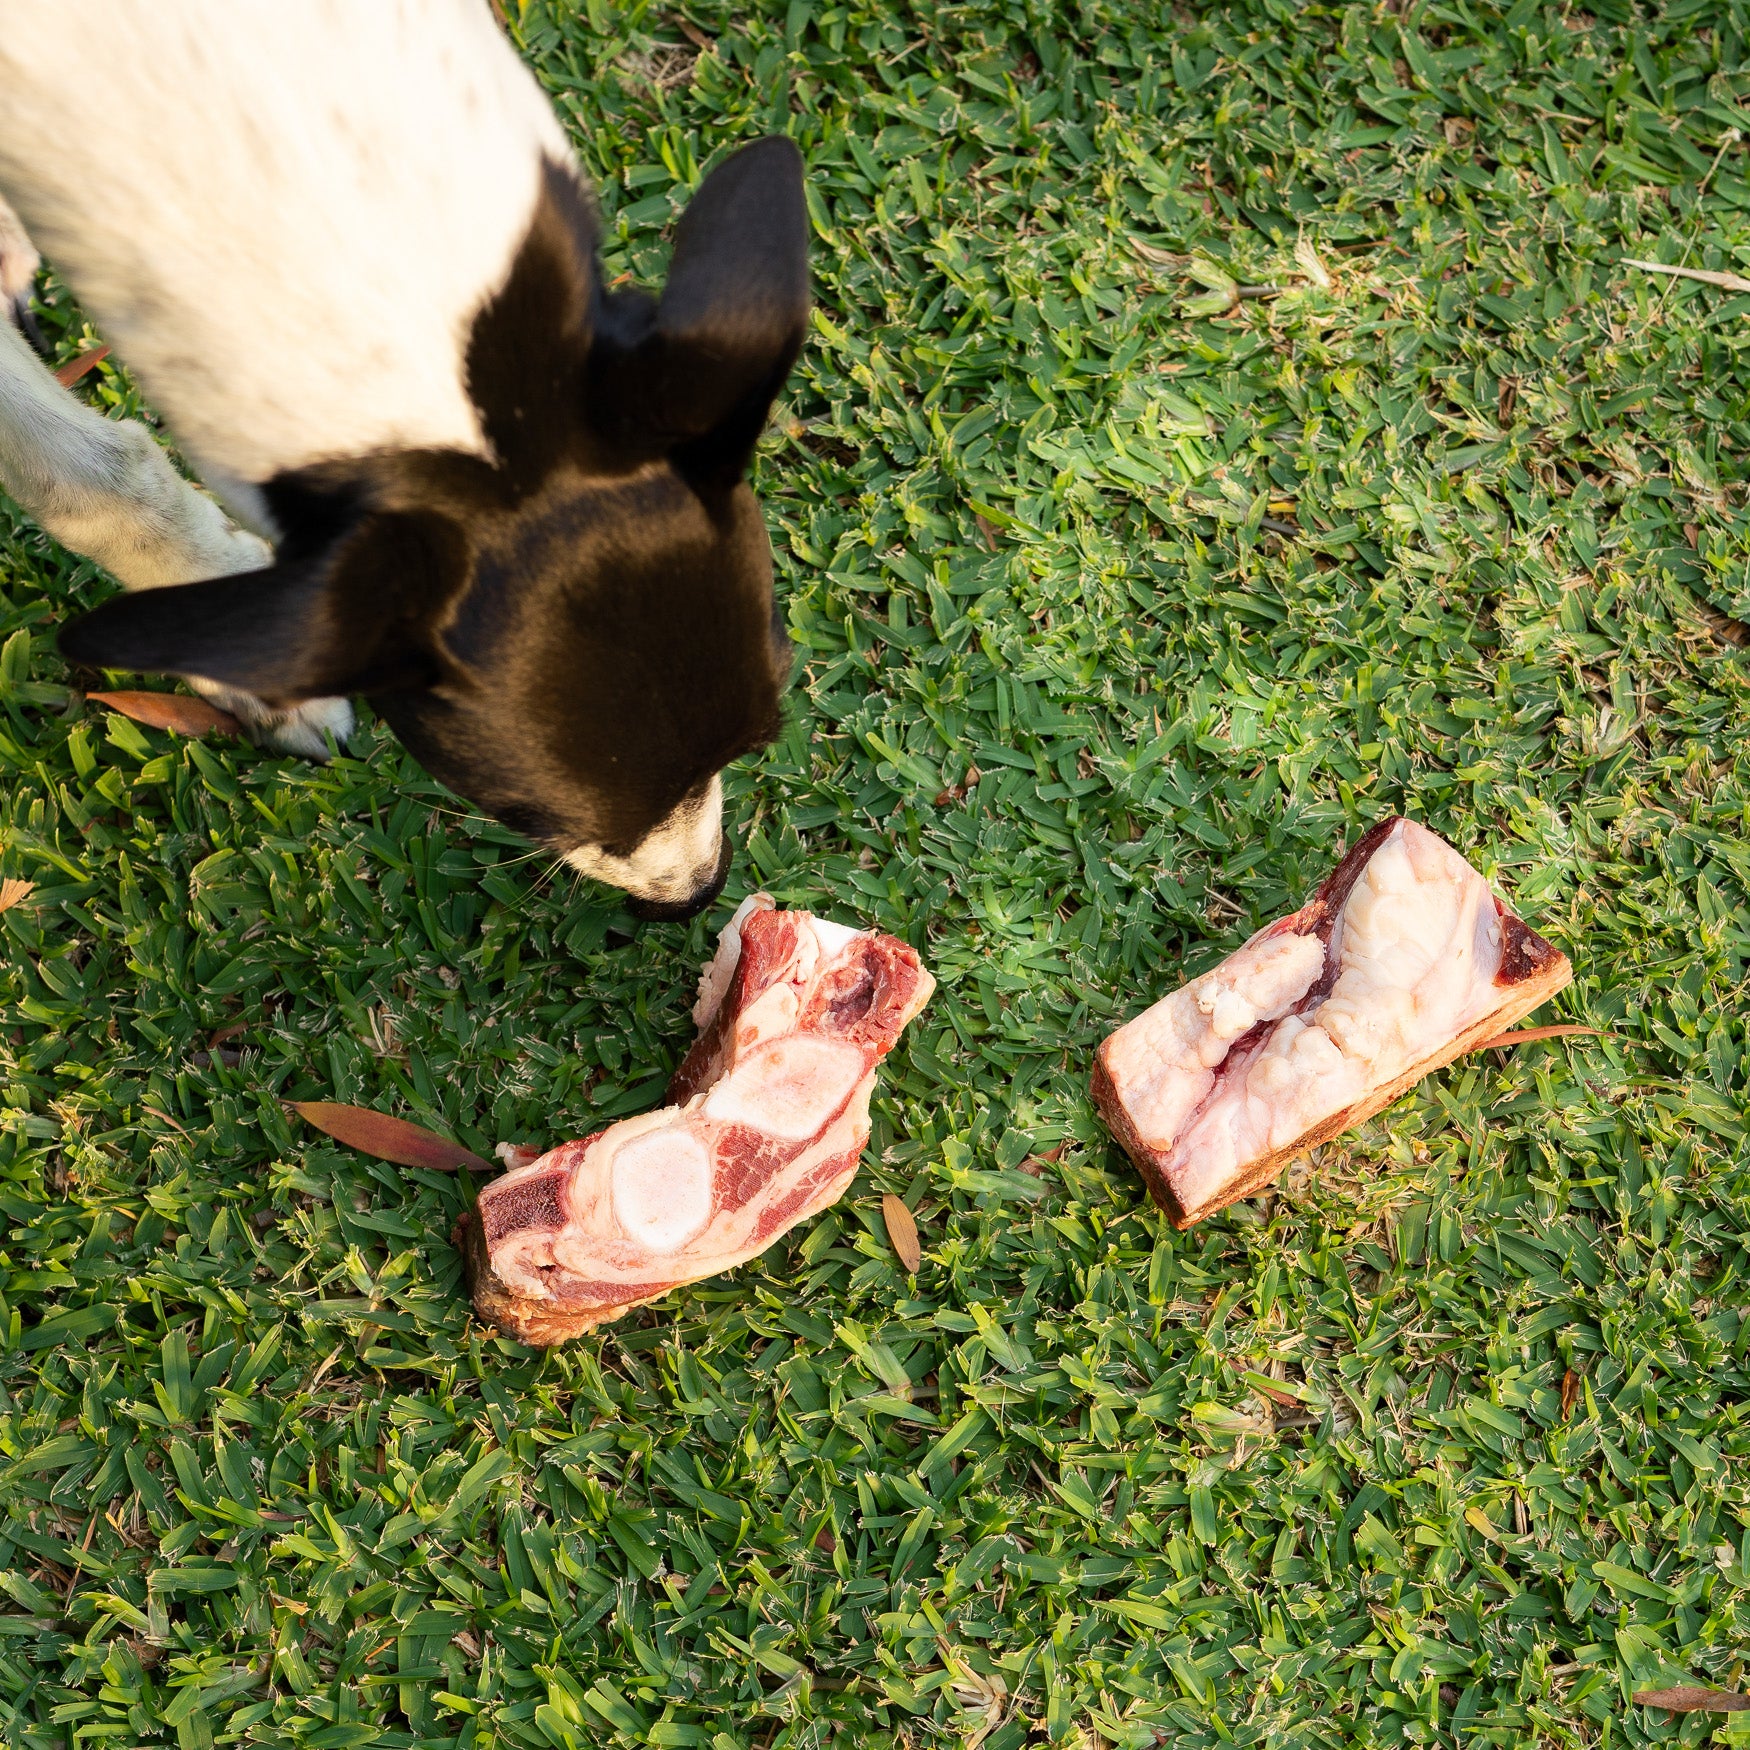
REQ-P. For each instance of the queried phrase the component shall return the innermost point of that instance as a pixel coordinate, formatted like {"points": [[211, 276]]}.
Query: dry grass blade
{"points": [[389, 1139], [74, 369], [1731, 282], [1570, 1392], [1693, 1699], [1160, 257], [15, 893], [902, 1232], [180, 712], [1307, 256], [1527, 1035]]}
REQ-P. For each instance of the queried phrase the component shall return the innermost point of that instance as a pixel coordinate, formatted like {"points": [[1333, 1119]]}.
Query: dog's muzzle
{"points": [[657, 911]]}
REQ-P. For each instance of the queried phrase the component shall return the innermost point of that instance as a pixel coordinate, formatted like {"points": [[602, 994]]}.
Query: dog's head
{"points": [[578, 633]]}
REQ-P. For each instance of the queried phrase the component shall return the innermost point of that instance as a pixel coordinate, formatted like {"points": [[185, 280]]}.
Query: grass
{"points": [[1122, 603]]}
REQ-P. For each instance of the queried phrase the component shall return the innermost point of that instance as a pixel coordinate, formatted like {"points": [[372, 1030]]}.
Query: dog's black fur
{"points": [[578, 634]]}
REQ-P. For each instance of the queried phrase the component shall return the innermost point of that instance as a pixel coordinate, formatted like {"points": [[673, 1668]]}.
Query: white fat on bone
{"points": [[1318, 1019], [718, 973], [788, 1088], [661, 1188], [1417, 944], [1166, 1058]]}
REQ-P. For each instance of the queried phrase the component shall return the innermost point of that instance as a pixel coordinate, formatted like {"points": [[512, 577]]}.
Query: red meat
{"points": [[765, 1125]]}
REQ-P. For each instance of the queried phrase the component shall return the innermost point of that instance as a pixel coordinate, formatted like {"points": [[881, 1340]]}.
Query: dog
{"points": [[347, 252]]}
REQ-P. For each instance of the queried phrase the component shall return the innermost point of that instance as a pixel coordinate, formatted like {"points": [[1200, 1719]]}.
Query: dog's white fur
{"points": [[268, 211], [284, 215]]}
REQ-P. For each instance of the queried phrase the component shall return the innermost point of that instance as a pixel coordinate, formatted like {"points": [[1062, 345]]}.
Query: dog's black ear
{"points": [[699, 382], [344, 621]]}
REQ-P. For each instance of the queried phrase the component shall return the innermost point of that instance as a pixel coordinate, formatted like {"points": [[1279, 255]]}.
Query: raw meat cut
{"points": [[766, 1121], [1402, 961]]}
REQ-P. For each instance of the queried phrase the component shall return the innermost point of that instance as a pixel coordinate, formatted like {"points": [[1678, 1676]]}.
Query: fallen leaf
{"points": [[74, 369], [1570, 1392], [902, 1232], [1693, 1699], [694, 35], [230, 1030], [15, 893], [1034, 1165], [1276, 1395], [180, 712], [389, 1139], [987, 531], [1527, 1035], [824, 1539]]}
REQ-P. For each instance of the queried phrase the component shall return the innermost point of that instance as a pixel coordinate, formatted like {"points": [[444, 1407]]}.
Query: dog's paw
{"points": [[19, 260], [305, 729], [302, 730]]}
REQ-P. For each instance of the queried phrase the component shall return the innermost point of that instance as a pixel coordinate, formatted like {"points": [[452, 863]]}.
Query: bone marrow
{"points": [[766, 1122], [1401, 961]]}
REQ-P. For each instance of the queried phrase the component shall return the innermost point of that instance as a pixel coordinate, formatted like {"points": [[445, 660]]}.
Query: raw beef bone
{"points": [[766, 1122], [1402, 961]]}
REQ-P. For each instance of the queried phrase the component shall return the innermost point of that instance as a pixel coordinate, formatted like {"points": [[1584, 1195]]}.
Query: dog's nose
{"points": [[657, 911]]}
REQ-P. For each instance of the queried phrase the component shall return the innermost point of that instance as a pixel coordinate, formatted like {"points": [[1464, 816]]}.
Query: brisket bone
{"points": [[1402, 961], [765, 1124]]}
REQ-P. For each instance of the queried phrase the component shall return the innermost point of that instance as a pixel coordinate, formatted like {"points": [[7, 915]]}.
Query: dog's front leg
{"points": [[104, 488]]}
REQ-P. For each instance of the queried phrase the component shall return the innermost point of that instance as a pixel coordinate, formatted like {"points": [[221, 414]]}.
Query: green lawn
{"points": [[1122, 604]]}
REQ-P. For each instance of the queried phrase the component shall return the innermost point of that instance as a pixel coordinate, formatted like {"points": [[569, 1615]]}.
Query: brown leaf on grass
{"points": [[1275, 1394], [1034, 1165], [902, 1232], [1690, 1698], [1570, 1392], [694, 35], [15, 893], [955, 791], [175, 711], [389, 1139], [230, 1030], [1528, 1035], [987, 531], [74, 369]]}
